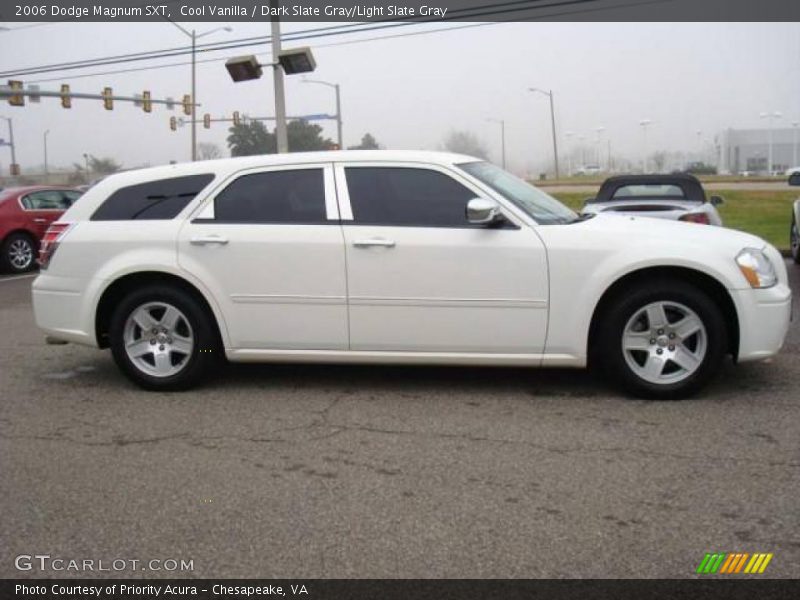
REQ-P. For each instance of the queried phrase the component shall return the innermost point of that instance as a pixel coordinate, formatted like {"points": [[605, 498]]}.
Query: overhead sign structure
{"points": [[15, 94]]}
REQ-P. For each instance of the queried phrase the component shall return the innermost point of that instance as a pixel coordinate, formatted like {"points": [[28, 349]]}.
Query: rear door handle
{"points": [[203, 240], [374, 242], [40, 220]]}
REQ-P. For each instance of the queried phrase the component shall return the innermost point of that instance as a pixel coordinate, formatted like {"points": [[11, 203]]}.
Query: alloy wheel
{"points": [[20, 254], [664, 342], [158, 339]]}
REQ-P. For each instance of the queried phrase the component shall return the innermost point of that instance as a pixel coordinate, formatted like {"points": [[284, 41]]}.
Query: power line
{"points": [[264, 54], [487, 10]]}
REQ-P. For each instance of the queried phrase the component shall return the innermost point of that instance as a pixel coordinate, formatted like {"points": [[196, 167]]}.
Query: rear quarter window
{"points": [[162, 199]]}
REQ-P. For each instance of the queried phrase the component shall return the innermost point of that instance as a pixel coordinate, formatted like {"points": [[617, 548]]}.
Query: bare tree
{"points": [[465, 142], [208, 151]]}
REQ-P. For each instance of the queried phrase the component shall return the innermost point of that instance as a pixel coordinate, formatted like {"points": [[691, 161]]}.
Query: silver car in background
{"points": [[676, 197]]}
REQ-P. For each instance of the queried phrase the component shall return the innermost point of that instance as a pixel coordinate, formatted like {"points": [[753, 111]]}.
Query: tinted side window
{"points": [[296, 196], [162, 199], [404, 196]]}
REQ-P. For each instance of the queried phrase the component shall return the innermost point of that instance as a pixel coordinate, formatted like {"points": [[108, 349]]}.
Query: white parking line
{"points": [[13, 277]]}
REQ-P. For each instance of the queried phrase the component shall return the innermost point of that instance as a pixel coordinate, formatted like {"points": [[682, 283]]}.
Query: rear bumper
{"points": [[61, 309], [764, 317]]}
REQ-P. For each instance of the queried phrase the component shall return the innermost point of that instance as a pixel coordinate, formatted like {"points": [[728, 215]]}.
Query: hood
{"points": [[639, 229]]}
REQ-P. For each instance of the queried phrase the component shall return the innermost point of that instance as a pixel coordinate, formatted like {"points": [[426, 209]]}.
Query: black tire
{"points": [[194, 366], [11, 259], [608, 353], [794, 240]]}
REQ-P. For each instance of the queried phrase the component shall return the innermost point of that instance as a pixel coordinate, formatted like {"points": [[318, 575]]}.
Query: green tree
{"points": [[306, 137], [465, 142], [367, 143], [247, 139]]}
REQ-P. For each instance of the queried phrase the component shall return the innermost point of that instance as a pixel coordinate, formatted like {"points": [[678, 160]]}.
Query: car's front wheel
{"points": [[162, 338], [794, 240], [18, 253], [662, 340]]}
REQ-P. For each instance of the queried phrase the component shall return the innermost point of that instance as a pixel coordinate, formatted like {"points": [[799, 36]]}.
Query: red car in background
{"points": [[25, 215]]}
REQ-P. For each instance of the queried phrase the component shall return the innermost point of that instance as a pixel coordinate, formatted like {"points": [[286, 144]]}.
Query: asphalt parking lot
{"points": [[336, 472]]}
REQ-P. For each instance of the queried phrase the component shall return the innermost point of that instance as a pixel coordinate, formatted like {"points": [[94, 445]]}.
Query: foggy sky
{"points": [[409, 92]]}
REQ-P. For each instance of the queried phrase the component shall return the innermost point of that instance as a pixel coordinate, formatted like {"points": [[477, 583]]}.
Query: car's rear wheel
{"points": [[794, 240], [19, 253], [661, 340], [162, 338]]}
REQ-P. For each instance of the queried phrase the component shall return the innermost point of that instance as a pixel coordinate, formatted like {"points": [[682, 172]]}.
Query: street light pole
{"points": [[795, 124], [194, 37], [552, 122], [770, 117], [502, 123], [336, 87], [645, 123], [569, 150], [46, 174], [599, 131]]}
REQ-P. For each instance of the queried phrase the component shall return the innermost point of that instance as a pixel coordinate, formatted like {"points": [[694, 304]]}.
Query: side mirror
{"points": [[716, 200], [794, 178], [481, 211]]}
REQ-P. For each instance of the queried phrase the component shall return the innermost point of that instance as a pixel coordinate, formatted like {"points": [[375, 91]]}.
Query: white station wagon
{"points": [[396, 257]]}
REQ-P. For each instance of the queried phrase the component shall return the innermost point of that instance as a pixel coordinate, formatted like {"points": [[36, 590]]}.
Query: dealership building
{"points": [[748, 150]]}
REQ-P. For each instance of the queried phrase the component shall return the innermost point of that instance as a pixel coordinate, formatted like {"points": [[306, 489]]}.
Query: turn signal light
{"points": [[696, 218]]}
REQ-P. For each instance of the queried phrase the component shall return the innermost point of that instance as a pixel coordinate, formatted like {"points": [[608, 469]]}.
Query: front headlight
{"points": [[756, 268]]}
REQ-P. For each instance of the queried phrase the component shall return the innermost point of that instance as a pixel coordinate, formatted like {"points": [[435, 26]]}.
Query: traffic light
{"points": [[66, 99], [16, 99], [173, 123], [207, 121], [236, 119], [13, 169], [187, 104], [147, 103], [108, 99]]}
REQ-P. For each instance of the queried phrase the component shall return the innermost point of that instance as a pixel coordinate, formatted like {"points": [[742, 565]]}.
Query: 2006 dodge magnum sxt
{"points": [[396, 257]]}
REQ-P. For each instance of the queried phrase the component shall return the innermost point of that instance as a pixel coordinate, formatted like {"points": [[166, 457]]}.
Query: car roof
{"points": [[232, 165], [688, 183]]}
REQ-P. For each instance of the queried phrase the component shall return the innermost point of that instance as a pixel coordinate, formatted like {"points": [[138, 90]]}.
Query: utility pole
{"points": [[277, 75], [194, 95], [794, 145]]}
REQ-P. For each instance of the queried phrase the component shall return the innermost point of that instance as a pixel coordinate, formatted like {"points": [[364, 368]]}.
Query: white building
{"points": [[748, 150]]}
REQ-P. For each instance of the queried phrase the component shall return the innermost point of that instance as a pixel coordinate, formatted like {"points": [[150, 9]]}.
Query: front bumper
{"points": [[764, 317]]}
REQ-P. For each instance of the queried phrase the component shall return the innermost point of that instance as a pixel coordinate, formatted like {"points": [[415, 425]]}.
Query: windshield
{"points": [[545, 209]]}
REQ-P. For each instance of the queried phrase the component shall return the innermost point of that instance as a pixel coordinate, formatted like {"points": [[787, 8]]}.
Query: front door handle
{"points": [[202, 240], [40, 220], [374, 242]]}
